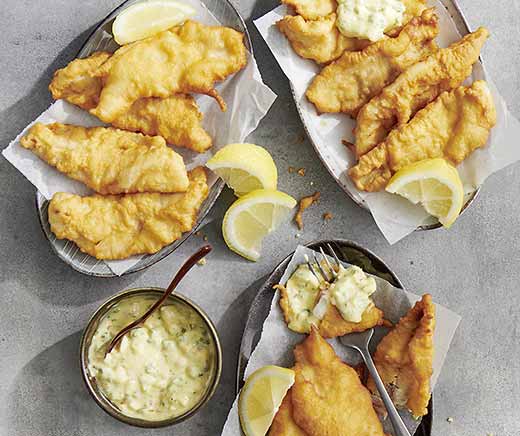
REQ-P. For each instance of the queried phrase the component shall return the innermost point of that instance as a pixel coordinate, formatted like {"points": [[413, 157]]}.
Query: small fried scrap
{"points": [[327, 216], [327, 396], [301, 172], [305, 203], [404, 359]]}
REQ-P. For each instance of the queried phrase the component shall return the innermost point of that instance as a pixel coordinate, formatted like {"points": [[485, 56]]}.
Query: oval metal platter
{"points": [[348, 251], [101, 39], [461, 23]]}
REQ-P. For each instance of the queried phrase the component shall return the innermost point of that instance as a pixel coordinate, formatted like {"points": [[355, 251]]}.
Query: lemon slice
{"points": [[245, 168], [433, 183], [252, 217], [145, 19], [261, 397]]}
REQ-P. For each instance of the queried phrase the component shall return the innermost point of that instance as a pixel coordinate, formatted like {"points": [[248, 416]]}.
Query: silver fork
{"points": [[359, 341]]}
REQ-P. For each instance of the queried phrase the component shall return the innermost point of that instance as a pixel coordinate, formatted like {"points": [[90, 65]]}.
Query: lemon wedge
{"points": [[252, 217], [245, 168], [145, 19], [261, 397], [433, 183]]}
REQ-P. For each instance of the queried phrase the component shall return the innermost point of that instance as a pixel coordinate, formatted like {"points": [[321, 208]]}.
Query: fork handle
{"points": [[398, 424]]}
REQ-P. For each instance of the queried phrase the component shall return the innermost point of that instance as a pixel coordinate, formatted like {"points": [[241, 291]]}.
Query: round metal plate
{"points": [[101, 39], [349, 252], [463, 27]]}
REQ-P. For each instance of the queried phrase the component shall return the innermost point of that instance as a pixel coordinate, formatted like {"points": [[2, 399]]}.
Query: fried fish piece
{"points": [[451, 127], [351, 81], [333, 325], [191, 57], [404, 358], [283, 422], [319, 40], [328, 397], [176, 118], [312, 9], [117, 227], [419, 85], [108, 160]]}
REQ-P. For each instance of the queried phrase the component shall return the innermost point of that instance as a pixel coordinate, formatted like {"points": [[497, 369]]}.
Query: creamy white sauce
{"points": [[369, 19], [351, 292], [159, 370]]}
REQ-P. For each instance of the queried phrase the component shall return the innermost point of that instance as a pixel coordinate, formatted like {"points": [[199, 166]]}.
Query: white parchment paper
{"points": [[248, 100], [395, 216], [277, 341]]}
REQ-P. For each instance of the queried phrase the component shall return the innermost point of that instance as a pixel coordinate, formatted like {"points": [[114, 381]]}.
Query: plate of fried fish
{"points": [[130, 132], [373, 107], [332, 392]]}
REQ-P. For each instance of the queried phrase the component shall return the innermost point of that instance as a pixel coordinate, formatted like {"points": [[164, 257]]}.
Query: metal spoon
{"points": [[178, 277]]}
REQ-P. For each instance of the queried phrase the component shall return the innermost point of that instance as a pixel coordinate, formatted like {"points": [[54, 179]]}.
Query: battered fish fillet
{"points": [[187, 58], [319, 40], [328, 398], [312, 9], [404, 359], [117, 227], [177, 118], [422, 83], [108, 160], [332, 324], [283, 422], [451, 127], [352, 80]]}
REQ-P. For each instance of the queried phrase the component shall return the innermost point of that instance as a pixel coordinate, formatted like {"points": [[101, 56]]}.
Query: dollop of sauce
{"points": [[159, 370], [303, 291], [351, 292], [369, 19]]}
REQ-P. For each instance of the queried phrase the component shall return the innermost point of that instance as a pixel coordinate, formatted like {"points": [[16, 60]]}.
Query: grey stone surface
{"points": [[474, 268]]}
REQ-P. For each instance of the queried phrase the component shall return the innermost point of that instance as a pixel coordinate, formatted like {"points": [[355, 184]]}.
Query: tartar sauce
{"points": [[159, 370], [351, 292], [369, 19]]}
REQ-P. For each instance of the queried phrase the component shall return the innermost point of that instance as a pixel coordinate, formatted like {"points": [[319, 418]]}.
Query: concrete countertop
{"points": [[474, 269]]}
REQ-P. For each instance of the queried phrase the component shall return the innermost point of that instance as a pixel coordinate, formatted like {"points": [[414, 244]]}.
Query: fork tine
{"points": [[332, 270], [334, 254], [322, 271], [311, 269]]}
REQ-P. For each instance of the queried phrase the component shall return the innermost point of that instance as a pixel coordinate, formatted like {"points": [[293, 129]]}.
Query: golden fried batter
{"points": [[304, 204], [187, 58], [352, 80], [176, 118], [312, 9], [327, 396], [333, 324], [422, 83], [404, 358], [283, 422], [108, 160], [451, 127], [319, 40], [117, 227]]}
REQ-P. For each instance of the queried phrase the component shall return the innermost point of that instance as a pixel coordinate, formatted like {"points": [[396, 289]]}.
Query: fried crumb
{"points": [[327, 216], [202, 262], [348, 144], [291, 170], [305, 203], [301, 172], [450, 420], [198, 233]]}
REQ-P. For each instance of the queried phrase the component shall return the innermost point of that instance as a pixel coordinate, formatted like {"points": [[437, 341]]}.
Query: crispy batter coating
{"points": [[333, 324], [312, 9], [108, 160], [117, 227], [351, 81], [304, 204], [176, 118], [187, 58], [451, 127], [404, 358], [319, 40], [283, 422], [327, 396], [419, 85]]}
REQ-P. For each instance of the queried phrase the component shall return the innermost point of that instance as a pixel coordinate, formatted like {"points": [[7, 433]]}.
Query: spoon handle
{"points": [[202, 252], [398, 424]]}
